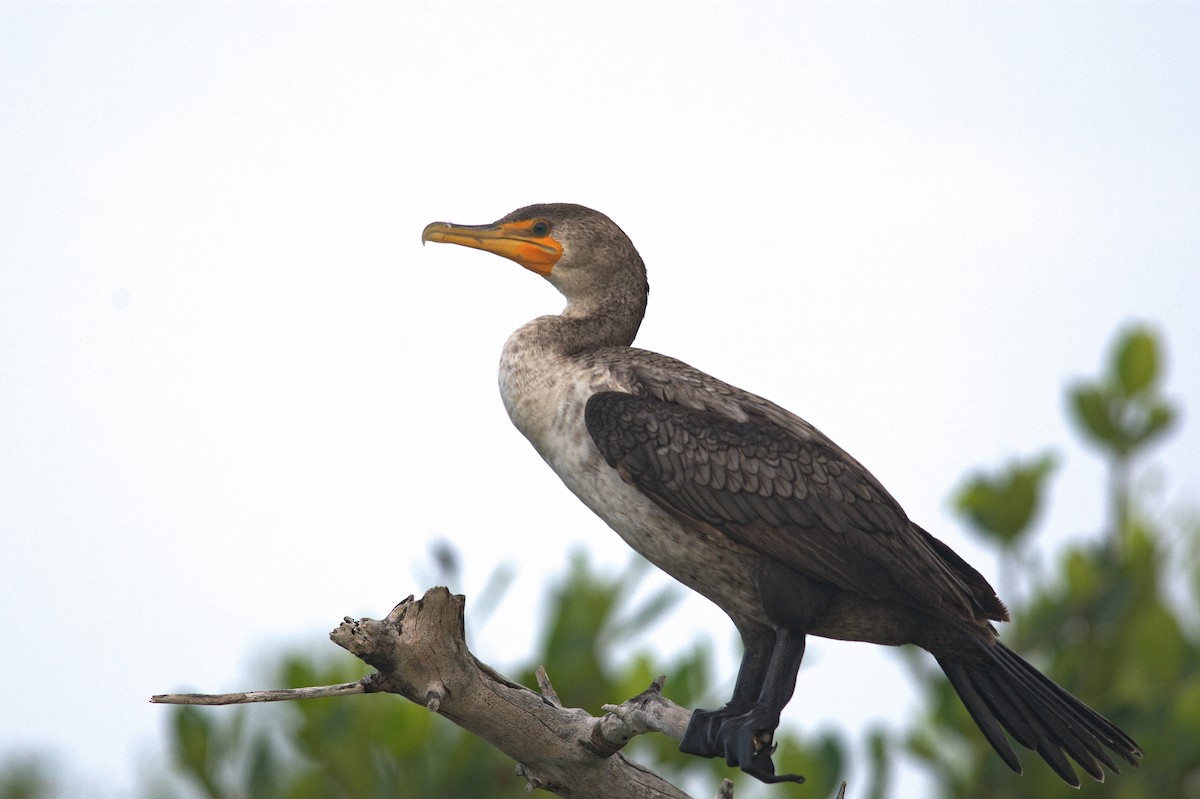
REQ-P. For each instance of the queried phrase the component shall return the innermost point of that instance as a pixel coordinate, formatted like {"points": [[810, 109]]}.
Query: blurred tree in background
{"points": [[1109, 622], [1105, 624]]}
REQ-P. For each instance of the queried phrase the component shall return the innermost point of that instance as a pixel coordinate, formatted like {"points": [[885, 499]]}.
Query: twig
{"points": [[546, 688], [245, 697]]}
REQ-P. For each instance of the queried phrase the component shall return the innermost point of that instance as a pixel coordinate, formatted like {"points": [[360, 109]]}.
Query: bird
{"points": [[752, 507]]}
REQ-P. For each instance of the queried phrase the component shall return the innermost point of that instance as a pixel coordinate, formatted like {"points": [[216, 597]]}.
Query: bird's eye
{"points": [[540, 228]]}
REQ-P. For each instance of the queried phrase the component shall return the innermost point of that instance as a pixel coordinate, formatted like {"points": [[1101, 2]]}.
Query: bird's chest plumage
{"points": [[545, 397]]}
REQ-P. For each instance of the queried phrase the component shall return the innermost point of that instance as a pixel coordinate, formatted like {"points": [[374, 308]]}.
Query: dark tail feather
{"points": [[1003, 692]]}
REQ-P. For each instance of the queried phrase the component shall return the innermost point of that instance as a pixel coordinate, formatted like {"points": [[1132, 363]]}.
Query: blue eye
{"points": [[540, 228]]}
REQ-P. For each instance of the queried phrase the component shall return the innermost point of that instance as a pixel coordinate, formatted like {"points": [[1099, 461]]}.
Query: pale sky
{"points": [[239, 399]]}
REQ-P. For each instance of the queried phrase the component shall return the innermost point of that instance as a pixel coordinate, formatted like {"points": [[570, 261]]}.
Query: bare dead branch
{"points": [[419, 651]]}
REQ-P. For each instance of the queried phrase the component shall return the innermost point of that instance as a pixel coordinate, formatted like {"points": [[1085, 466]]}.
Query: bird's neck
{"points": [[613, 322], [581, 327], [542, 361]]}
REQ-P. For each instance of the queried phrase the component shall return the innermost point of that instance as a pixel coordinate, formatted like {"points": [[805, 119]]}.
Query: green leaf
{"points": [[650, 612], [879, 747], [1003, 506], [1092, 411], [262, 770], [192, 729], [1158, 421], [1156, 630], [1136, 360]]}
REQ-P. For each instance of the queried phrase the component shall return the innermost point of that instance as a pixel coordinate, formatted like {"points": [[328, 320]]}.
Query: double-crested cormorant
{"points": [[752, 507]]}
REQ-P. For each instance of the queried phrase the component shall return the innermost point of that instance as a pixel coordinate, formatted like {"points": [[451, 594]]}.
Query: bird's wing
{"points": [[708, 452]]}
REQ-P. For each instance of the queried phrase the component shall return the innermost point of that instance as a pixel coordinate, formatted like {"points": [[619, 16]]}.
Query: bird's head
{"points": [[580, 251]]}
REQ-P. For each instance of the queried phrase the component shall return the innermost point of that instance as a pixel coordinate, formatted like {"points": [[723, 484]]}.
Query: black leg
{"points": [[748, 739], [743, 731], [703, 731]]}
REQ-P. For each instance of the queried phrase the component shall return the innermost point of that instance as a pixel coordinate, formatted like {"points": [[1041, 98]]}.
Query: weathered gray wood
{"points": [[420, 652]]}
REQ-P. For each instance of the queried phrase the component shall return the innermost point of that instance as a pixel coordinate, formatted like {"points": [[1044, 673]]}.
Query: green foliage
{"points": [[1003, 506], [1102, 626], [1123, 412], [27, 777]]}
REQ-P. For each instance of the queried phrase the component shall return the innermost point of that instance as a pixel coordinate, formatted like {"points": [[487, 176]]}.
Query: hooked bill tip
{"points": [[431, 232]]}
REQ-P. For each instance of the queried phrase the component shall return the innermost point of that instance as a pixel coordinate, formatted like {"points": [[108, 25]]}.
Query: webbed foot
{"points": [[744, 740], [703, 730]]}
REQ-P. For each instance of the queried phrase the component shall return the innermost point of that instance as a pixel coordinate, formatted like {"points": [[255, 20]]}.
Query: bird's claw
{"points": [[749, 745]]}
